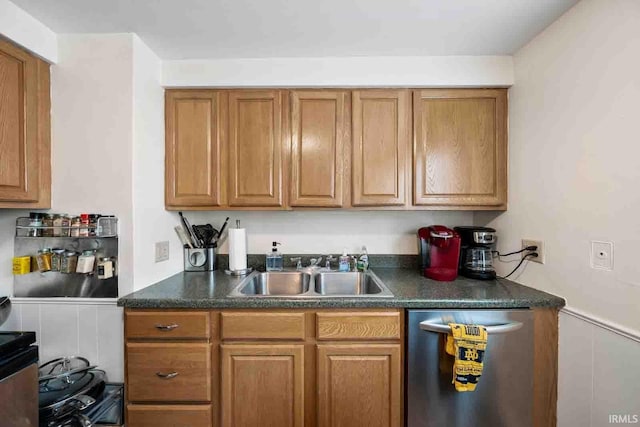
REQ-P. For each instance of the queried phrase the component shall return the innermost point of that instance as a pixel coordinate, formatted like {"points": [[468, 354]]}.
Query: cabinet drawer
{"points": [[172, 372], [359, 326], [168, 415], [167, 324], [256, 325]]}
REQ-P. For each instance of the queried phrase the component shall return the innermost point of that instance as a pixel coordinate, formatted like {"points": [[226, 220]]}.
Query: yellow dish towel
{"points": [[467, 344]]}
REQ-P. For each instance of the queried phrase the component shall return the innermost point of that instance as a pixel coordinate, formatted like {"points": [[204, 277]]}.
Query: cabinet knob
{"points": [[167, 327], [166, 376]]}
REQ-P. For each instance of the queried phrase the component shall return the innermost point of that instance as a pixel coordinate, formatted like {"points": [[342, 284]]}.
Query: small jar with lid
{"points": [[47, 224], [93, 224], [105, 268], [57, 255], [84, 225], [75, 225], [86, 262], [69, 262], [35, 221], [44, 260], [66, 224]]}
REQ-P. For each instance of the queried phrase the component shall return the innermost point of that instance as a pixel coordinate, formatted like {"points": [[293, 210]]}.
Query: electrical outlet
{"points": [[540, 251], [601, 255], [162, 251]]}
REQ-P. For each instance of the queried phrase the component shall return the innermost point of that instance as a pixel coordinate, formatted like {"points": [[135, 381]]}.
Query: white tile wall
{"points": [[66, 329], [599, 374]]}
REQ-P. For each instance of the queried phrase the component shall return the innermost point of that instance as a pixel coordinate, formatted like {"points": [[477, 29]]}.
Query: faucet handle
{"points": [[298, 261], [314, 262], [328, 259]]}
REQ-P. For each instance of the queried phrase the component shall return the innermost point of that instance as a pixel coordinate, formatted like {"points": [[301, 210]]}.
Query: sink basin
{"points": [[346, 284], [310, 284], [282, 283]]}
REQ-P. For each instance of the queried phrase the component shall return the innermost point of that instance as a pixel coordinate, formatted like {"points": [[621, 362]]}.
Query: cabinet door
{"points": [[19, 151], [256, 148], [169, 416], [262, 385], [359, 385], [460, 147], [381, 141], [194, 136], [319, 131]]}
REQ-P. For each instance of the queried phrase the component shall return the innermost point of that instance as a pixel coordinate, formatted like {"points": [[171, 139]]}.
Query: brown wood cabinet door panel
{"points": [[256, 145], [359, 326], [319, 128], [359, 385], [151, 368], [19, 151], [262, 385], [194, 137], [167, 324], [460, 147], [260, 325], [169, 416], [381, 140]]}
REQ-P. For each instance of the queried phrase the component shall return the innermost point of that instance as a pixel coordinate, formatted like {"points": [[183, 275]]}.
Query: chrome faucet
{"points": [[328, 259], [315, 262], [298, 261]]}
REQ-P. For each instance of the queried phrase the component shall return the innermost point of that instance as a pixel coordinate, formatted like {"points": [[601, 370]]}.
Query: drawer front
{"points": [[169, 415], [167, 324], [256, 325], [359, 326], [172, 372]]}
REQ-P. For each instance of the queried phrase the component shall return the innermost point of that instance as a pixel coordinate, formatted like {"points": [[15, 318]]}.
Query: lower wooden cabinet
{"points": [[262, 385], [359, 385], [169, 415]]}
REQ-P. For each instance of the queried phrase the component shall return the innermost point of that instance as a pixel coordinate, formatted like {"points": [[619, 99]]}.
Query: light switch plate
{"points": [[162, 251], [601, 255]]}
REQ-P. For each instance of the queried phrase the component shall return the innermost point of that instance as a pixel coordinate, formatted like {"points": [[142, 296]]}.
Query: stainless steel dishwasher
{"points": [[504, 395]]}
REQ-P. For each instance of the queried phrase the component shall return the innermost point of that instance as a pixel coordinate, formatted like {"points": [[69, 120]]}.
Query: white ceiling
{"points": [[181, 29]]}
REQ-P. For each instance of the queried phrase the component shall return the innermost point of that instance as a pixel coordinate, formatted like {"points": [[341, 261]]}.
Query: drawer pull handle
{"points": [[170, 327], [166, 376]]}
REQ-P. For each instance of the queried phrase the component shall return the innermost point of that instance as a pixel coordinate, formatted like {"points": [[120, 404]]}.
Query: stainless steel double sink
{"points": [[311, 284]]}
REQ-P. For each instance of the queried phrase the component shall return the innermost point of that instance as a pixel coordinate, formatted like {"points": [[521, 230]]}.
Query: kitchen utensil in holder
{"points": [[200, 259]]}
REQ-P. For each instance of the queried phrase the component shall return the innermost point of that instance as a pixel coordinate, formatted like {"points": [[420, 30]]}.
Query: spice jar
{"points": [[105, 268], [47, 224], [66, 224], [75, 227], [86, 262], [93, 224], [57, 225], [84, 225], [69, 262], [35, 221], [56, 259], [44, 260]]}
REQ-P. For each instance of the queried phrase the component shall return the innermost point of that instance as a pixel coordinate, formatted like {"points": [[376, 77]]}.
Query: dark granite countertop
{"points": [[410, 290]]}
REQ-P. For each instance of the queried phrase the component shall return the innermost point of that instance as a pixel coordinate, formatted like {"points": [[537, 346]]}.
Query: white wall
{"points": [[324, 232], [22, 28], [430, 71], [599, 373], [151, 222], [574, 154]]}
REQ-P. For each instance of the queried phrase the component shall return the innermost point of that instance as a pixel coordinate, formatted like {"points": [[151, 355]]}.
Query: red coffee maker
{"points": [[439, 252]]}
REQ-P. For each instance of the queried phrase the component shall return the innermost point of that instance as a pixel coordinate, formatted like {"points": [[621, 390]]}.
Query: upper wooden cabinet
{"points": [[381, 144], [25, 158], [460, 147], [256, 148], [195, 128], [319, 135], [282, 149]]}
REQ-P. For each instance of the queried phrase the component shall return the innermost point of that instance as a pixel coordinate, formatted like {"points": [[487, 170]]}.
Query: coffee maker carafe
{"points": [[476, 255], [439, 252]]}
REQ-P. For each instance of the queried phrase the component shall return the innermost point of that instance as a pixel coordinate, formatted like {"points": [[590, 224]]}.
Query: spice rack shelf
{"points": [[53, 283]]}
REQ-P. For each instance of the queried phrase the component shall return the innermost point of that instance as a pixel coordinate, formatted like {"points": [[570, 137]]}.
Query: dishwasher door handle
{"points": [[441, 328]]}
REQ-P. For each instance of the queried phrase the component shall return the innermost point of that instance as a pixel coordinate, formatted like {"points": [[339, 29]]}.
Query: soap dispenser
{"points": [[344, 261], [274, 259]]}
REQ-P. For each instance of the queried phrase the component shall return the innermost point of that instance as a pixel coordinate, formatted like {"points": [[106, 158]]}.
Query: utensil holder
{"points": [[200, 259]]}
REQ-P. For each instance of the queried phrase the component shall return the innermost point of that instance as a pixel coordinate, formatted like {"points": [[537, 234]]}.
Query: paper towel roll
{"points": [[237, 249]]}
